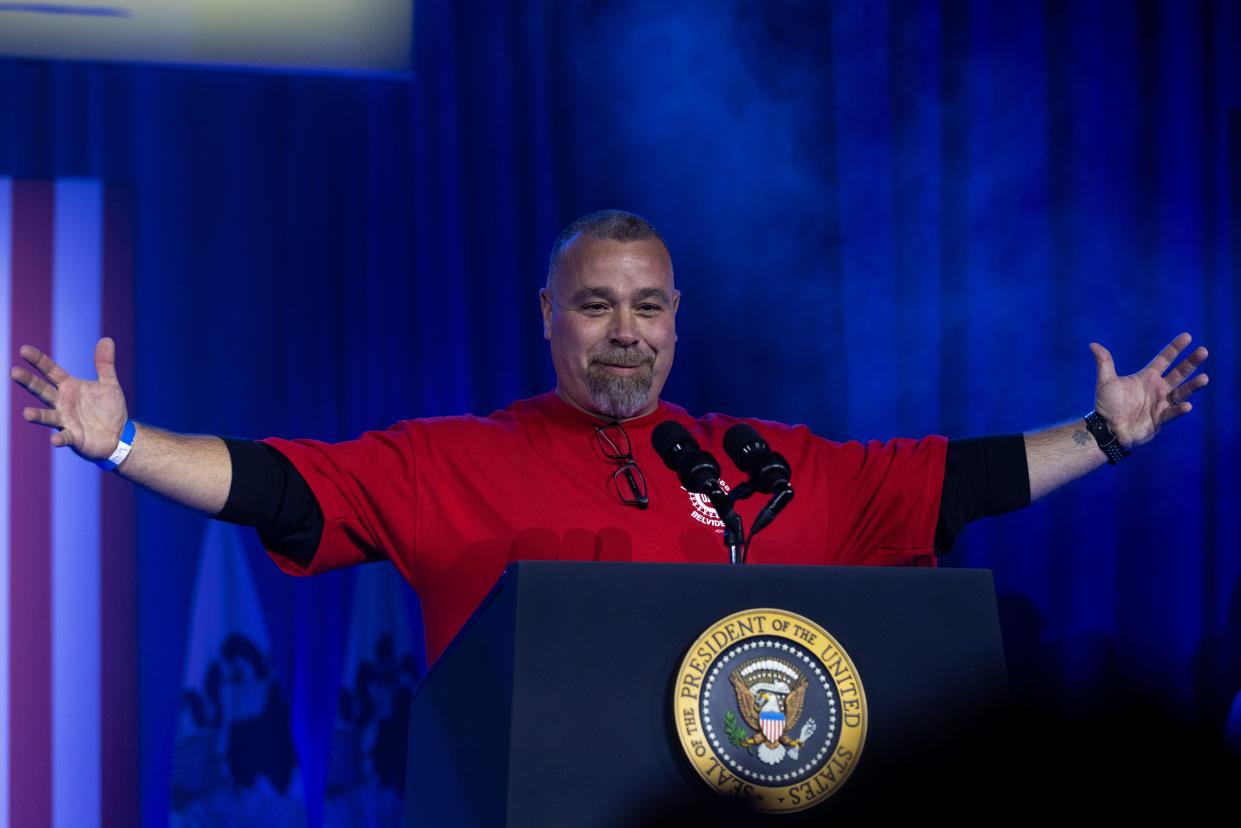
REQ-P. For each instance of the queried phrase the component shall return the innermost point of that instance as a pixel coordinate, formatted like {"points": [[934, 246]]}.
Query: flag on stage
{"points": [[235, 762], [366, 769], [68, 672]]}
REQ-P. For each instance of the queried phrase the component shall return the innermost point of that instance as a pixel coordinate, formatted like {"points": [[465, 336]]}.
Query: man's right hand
{"points": [[88, 416], [193, 470]]}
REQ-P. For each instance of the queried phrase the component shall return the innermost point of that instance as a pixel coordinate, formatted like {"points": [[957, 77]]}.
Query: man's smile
{"points": [[623, 369]]}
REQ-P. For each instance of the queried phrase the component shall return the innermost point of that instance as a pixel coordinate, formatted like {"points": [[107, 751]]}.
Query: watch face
{"points": [[1097, 427], [1106, 440]]}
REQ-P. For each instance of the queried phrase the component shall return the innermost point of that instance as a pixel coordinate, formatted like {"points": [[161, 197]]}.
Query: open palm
{"points": [[1138, 405], [88, 415]]}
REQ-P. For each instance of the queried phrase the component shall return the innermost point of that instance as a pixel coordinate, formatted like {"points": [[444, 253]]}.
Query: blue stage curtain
{"points": [[886, 219]]}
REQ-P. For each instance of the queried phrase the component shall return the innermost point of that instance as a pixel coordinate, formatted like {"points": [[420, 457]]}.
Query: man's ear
{"points": [[545, 300]]}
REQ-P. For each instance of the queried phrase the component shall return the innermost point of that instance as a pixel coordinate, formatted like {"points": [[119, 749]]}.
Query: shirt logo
{"points": [[703, 511]]}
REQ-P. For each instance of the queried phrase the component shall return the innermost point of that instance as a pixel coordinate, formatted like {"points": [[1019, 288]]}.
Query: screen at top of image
{"points": [[330, 35]]}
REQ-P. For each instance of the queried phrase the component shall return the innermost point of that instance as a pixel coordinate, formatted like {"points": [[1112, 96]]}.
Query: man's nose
{"points": [[624, 331]]}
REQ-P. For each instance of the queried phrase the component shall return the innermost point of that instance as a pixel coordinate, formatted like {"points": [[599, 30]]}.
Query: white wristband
{"points": [[122, 448]]}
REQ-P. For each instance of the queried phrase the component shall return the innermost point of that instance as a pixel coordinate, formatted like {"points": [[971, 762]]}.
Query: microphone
{"points": [[768, 470], [699, 472]]}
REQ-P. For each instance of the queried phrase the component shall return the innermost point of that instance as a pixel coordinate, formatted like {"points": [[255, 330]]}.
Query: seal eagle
{"points": [[770, 696]]}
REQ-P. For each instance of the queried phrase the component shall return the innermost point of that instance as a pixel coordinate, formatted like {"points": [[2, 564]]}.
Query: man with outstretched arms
{"points": [[572, 474]]}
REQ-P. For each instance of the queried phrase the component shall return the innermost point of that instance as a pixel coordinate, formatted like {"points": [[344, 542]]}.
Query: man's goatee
{"points": [[616, 396]]}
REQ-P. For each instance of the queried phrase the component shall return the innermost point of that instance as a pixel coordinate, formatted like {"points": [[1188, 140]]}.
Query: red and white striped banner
{"points": [[68, 672]]}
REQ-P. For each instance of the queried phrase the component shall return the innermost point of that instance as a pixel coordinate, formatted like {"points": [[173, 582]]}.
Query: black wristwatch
{"points": [[1103, 435]]}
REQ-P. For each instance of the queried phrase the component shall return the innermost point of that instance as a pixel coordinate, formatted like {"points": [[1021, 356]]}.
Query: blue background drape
{"points": [[885, 218]]}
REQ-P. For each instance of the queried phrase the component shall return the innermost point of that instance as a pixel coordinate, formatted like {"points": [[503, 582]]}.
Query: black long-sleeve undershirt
{"points": [[269, 494], [983, 476]]}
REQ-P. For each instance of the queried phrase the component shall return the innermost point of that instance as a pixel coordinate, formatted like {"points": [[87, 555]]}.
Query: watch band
{"points": [[122, 448], [1104, 437]]}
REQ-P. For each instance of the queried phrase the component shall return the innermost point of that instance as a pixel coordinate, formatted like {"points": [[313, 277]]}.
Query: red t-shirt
{"points": [[453, 500]]}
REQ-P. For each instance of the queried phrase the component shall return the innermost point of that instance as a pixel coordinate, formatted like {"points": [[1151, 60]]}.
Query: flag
{"points": [[366, 768], [68, 672], [234, 763]]}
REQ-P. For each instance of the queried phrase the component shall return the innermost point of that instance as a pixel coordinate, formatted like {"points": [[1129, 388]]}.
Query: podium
{"points": [[554, 705]]}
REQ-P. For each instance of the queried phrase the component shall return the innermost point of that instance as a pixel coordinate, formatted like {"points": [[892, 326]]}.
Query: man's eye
{"points": [[650, 309], [595, 307]]}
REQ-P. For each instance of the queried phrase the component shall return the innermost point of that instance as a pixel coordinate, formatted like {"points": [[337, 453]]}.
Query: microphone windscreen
{"points": [[668, 437], [741, 442]]}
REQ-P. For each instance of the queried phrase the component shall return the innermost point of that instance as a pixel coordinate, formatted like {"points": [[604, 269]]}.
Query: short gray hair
{"points": [[603, 225]]}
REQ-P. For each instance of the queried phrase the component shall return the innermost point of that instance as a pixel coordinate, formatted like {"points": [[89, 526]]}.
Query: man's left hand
{"points": [[1138, 405]]}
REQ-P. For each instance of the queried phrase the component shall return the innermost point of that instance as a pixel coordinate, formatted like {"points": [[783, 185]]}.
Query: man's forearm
{"points": [[191, 469], [1060, 455]]}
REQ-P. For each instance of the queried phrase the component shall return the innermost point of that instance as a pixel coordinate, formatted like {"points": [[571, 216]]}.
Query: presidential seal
{"points": [[770, 708]]}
